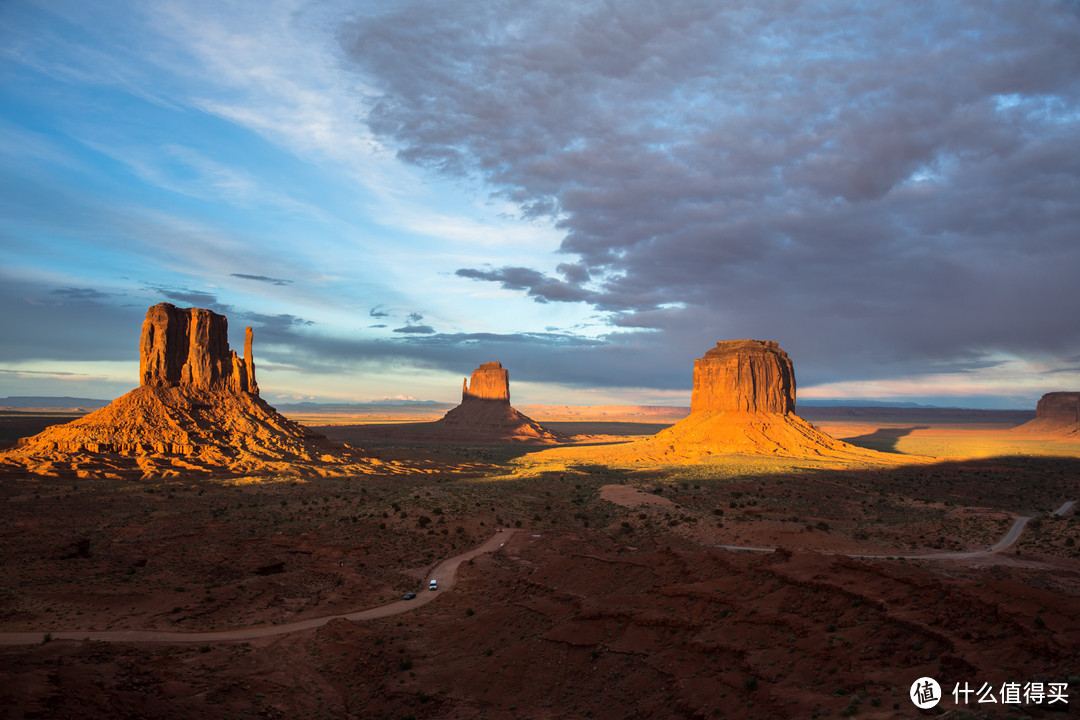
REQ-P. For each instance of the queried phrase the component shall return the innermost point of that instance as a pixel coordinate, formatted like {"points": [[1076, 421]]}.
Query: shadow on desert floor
{"points": [[884, 439]]}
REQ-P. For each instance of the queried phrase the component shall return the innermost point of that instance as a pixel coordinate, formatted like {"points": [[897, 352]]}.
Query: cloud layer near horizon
{"points": [[885, 191], [590, 192]]}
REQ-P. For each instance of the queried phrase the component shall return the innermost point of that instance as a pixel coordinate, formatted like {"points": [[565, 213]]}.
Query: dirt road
{"points": [[1007, 540], [445, 574]]}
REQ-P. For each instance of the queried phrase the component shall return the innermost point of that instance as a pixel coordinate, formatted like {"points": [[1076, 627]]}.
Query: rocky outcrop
{"points": [[489, 382], [1057, 413], [197, 411], [744, 376], [1059, 407], [485, 413], [743, 403], [189, 347]]}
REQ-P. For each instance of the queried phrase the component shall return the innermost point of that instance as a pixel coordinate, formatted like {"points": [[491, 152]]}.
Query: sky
{"points": [[591, 192]]}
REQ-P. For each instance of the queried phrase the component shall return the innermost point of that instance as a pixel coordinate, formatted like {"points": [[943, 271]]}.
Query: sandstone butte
{"points": [[197, 410], [1057, 413], [485, 413], [743, 403]]}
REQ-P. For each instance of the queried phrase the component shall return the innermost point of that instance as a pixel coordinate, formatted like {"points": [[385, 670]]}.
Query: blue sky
{"points": [[591, 193]]}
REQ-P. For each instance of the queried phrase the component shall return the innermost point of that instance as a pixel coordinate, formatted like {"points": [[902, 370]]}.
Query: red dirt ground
{"points": [[614, 601]]}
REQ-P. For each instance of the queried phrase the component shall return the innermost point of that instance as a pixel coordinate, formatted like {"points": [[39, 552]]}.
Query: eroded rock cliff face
{"points": [[189, 347], [744, 376], [489, 382], [1057, 413], [1061, 407]]}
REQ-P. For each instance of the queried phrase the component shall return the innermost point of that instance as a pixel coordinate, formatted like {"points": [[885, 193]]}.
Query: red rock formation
{"points": [[197, 410], [489, 382], [744, 376], [742, 404], [485, 414], [1057, 413], [189, 347], [1061, 407]]}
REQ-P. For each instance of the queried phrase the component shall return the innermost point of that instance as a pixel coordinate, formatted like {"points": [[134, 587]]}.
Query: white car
{"points": [[433, 585]]}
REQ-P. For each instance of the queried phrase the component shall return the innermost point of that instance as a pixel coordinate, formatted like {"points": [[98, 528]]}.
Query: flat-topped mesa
{"points": [[489, 382], [744, 376], [1059, 407], [189, 347]]}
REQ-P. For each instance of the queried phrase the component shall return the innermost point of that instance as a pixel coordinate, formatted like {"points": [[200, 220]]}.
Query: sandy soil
{"points": [[613, 599]]}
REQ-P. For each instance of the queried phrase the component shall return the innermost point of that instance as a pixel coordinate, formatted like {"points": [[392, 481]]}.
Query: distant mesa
{"points": [[1057, 413], [197, 410], [485, 413]]}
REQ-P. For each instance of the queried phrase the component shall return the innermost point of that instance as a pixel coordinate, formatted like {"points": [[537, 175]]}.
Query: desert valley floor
{"points": [[604, 586]]}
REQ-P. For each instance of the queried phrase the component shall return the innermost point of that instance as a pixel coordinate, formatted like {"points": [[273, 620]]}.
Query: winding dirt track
{"points": [[1007, 540], [445, 573]]}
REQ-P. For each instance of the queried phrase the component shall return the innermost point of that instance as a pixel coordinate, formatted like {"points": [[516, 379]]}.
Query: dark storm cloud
{"points": [[80, 294], [44, 323], [538, 357], [540, 287], [884, 190], [272, 329], [375, 312], [191, 298], [416, 329], [262, 278]]}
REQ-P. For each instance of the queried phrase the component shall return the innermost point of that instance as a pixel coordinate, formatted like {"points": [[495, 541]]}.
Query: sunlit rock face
{"points": [[489, 382], [1059, 407], [743, 403], [1057, 414], [189, 347], [744, 376]]}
